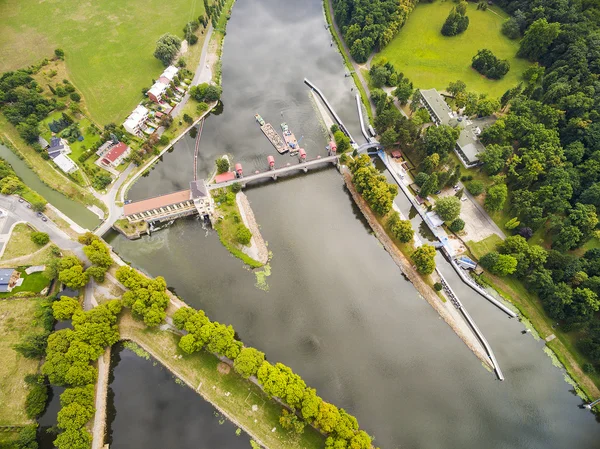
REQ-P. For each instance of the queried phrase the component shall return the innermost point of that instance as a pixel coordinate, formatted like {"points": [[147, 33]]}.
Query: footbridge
{"points": [[274, 173], [330, 108]]}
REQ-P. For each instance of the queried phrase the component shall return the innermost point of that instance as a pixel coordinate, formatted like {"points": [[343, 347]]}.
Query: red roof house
{"points": [[116, 155], [227, 176]]}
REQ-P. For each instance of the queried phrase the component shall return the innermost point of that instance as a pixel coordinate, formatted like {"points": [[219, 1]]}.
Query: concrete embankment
{"points": [[258, 248], [446, 311]]}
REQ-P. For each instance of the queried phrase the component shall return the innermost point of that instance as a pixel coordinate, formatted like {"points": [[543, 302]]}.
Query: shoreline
{"points": [[258, 248], [445, 312]]}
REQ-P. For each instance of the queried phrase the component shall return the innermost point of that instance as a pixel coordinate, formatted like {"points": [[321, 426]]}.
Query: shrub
{"points": [[202, 107], [236, 187], [222, 165], [75, 96], [457, 225], [40, 238], [64, 308], [59, 53], [243, 235], [187, 119], [438, 287], [35, 403], [475, 187]]}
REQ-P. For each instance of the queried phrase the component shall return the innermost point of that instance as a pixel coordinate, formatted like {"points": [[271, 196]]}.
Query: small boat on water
{"points": [[290, 138], [272, 135], [259, 119]]}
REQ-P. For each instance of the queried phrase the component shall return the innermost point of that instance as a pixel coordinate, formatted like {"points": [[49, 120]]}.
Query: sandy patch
{"points": [[223, 368]]}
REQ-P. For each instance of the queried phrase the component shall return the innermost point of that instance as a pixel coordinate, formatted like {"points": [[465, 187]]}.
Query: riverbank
{"points": [[258, 248], [353, 68], [445, 309], [99, 426], [241, 401]]}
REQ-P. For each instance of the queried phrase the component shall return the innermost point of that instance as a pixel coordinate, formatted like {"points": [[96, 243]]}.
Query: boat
{"points": [[290, 139], [259, 119], [272, 135]]}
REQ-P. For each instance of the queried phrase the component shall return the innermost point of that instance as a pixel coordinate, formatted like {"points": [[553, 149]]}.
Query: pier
{"points": [[331, 110], [369, 138]]}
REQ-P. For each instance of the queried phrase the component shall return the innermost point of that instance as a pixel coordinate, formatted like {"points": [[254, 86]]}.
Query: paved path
{"points": [[110, 199], [199, 70]]}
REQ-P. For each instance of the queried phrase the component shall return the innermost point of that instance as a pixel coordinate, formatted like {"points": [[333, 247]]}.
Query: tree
{"points": [[73, 277], [222, 165], [511, 29], [389, 138], [448, 208], [342, 141], [59, 53], [75, 97], [511, 224], [96, 272], [65, 308], [494, 158], [475, 187], [496, 196], [40, 238], [457, 87], [98, 254], [538, 37], [167, 48], [440, 139], [400, 229], [38, 206], [212, 93], [457, 21], [421, 178], [310, 404], [424, 259], [243, 235], [486, 63], [403, 91], [328, 417], [248, 362], [430, 186], [457, 225]]}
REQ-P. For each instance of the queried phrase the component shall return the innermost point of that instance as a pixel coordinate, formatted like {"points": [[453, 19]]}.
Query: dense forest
{"points": [[542, 156], [370, 24]]}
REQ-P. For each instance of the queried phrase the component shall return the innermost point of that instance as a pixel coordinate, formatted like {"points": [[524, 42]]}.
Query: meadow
{"points": [[108, 44], [432, 60]]}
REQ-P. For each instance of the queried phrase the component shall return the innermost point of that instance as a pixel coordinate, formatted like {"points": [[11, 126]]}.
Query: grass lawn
{"points": [[20, 243], [481, 248], [108, 44], [432, 60], [34, 282], [17, 320], [38, 258], [200, 370]]}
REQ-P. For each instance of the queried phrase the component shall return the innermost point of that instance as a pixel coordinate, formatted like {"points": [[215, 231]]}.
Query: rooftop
{"points": [[437, 104], [65, 163], [157, 89], [116, 152], [5, 275], [227, 176], [198, 189], [43, 142], [170, 72], [156, 202], [105, 146], [468, 140]]}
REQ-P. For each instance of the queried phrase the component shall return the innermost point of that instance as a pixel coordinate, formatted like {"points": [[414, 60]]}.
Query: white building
{"points": [[157, 91], [168, 75], [65, 163], [136, 120]]}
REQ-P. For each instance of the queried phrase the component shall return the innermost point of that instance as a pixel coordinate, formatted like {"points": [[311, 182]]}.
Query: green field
{"points": [[432, 60], [108, 44]]}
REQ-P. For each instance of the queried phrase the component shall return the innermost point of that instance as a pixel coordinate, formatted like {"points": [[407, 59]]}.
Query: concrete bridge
{"points": [[275, 173]]}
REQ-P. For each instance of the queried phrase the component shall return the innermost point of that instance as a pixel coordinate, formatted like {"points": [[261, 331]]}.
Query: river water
{"points": [[336, 308], [74, 210]]}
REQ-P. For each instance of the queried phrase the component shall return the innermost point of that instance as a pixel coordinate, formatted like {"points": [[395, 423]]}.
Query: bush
{"points": [[222, 165], [75, 97], [59, 53], [64, 308], [588, 368], [475, 187], [202, 107], [243, 235], [187, 119], [236, 187], [438, 287], [35, 403], [457, 225], [40, 238]]}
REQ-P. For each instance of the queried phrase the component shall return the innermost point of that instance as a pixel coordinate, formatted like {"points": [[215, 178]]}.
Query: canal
{"points": [[74, 210], [335, 307]]}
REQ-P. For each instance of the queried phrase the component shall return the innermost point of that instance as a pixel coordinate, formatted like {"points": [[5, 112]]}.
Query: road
{"points": [[201, 67], [110, 199]]}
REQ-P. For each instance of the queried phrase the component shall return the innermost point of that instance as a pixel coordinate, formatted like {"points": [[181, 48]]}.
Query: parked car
{"points": [[44, 219], [39, 214], [464, 198], [21, 200], [28, 206], [438, 192]]}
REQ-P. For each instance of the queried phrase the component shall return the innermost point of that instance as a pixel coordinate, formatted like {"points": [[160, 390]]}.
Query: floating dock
{"points": [[272, 135], [290, 139]]}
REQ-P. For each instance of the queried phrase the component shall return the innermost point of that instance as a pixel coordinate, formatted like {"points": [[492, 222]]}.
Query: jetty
{"points": [[272, 135]]}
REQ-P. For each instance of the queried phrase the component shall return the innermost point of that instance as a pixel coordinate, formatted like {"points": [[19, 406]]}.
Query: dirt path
{"points": [[99, 429]]}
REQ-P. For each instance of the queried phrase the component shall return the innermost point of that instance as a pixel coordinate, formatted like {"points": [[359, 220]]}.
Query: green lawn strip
{"points": [[34, 283], [20, 243], [47, 174], [430, 59], [481, 248], [347, 61], [114, 61], [222, 22], [226, 227], [40, 257], [18, 319], [200, 369]]}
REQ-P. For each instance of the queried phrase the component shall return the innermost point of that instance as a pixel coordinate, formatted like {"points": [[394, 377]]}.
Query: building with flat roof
{"points": [[8, 278], [65, 163], [156, 92], [468, 145], [136, 120], [168, 75]]}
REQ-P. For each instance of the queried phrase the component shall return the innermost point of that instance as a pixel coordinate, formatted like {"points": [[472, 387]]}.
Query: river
{"points": [[74, 210], [336, 308]]}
